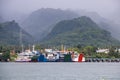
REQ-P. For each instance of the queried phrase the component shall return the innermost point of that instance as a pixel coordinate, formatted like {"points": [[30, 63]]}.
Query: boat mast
{"points": [[21, 43], [33, 48]]}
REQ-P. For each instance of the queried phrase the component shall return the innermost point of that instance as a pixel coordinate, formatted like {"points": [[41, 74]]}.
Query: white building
{"points": [[103, 51]]}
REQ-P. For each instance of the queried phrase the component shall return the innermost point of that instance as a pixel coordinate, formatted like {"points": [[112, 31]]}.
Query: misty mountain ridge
{"points": [[81, 31], [106, 24], [40, 22], [10, 34]]}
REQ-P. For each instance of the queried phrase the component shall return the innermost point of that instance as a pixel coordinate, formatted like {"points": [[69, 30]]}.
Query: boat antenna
{"points": [[21, 42], [33, 48]]}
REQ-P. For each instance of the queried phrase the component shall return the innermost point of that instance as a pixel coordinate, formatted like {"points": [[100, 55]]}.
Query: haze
{"points": [[106, 8]]}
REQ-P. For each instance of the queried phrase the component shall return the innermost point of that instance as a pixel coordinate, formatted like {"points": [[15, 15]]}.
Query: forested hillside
{"points": [[81, 31], [10, 34]]}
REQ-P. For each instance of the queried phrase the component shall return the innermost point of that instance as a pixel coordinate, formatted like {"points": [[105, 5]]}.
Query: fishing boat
{"points": [[25, 56], [78, 58]]}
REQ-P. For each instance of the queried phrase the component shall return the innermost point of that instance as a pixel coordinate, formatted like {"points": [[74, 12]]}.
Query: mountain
{"points": [[111, 27], [81, 31], [39, 23], [104, 23], [10, 34]]}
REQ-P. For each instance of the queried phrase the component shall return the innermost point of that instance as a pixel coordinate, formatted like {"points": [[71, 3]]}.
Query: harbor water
{"points": [[59, 71]]}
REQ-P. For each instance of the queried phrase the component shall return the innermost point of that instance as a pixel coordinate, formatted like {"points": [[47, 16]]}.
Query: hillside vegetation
{"points": [[10, 34], [81, 31]]}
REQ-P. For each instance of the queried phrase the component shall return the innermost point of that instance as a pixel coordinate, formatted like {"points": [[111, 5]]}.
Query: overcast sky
{"points": [[106, 8]]}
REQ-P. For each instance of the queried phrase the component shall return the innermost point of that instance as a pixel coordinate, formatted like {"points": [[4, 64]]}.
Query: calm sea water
{"points": [[59, 71]]}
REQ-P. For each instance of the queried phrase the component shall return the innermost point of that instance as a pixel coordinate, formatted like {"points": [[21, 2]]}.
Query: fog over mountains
{"points": [[1, 19], [106, 8], [104, 23], [39, 23], [39, 17]]}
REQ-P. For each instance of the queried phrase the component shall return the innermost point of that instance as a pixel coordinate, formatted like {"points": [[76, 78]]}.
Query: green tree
{"points": [[89, 50], [6, 55]]}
